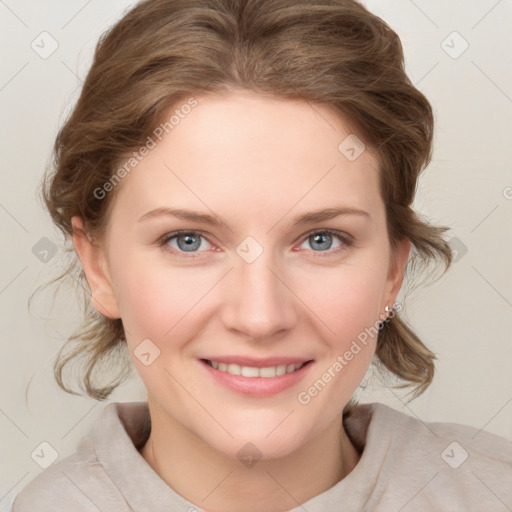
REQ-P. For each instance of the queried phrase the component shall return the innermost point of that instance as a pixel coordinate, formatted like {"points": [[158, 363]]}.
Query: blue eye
{"points": [[191, 241], [323, 240], [187, 241]]}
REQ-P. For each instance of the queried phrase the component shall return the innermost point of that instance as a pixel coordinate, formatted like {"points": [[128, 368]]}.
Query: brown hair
{"points": [[331, 52]]}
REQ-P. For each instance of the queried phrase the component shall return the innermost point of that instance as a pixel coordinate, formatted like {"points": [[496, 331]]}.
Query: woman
{"points": [[215, 148]]}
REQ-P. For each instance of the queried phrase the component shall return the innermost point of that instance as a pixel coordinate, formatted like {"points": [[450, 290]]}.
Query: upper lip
{"points": [[258, 362]]}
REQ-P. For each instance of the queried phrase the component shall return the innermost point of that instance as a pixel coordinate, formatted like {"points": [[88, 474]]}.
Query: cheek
{"points": [[158, 301], [158, 304], [162, 301], [153, 298], [348, 299], [348, 306]]}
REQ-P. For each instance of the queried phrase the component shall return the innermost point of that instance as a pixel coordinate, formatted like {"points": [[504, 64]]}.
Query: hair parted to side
{"points": [[331, 52]]}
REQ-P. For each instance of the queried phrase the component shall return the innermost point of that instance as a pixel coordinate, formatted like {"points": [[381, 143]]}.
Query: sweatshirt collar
{"points": [[123, 428]]}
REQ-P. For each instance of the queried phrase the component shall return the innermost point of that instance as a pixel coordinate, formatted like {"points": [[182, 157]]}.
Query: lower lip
{"points": [[257, 386]]}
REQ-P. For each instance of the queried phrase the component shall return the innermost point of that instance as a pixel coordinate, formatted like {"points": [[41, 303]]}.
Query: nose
{"points": [[260, 305]]}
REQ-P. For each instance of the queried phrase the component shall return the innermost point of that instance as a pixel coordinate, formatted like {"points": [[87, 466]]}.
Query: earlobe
{"points": [[396, 274], [93, 260]]}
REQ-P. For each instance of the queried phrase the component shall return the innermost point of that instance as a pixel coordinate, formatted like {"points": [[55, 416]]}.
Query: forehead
{"points": [[244, 150], [247, 125]]}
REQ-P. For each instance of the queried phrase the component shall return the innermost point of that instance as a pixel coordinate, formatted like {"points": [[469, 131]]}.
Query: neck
{"points": [[213, 482]]}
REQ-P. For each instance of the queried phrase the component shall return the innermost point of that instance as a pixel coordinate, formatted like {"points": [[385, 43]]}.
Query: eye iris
{"points": [[321, 237], [192, 242]]}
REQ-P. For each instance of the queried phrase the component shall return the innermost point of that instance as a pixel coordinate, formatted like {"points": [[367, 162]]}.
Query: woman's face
{"points": [[257, 283]]}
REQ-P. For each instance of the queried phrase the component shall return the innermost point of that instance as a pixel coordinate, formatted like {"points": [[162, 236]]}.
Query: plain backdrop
{"points": [[457, 53]]}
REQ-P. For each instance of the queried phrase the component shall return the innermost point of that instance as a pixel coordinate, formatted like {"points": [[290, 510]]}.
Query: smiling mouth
{"points": [[252, 371]]}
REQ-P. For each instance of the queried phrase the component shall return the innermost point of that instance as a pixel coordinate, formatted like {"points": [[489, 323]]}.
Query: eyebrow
{"points": [[212, 220]]}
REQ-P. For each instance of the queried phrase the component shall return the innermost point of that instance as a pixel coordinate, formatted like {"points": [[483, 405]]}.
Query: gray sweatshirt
{"points": [[406, 466]]}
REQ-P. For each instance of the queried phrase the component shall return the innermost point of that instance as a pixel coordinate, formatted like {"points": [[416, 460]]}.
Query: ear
{"points": [[94, 263], [396, 271]]}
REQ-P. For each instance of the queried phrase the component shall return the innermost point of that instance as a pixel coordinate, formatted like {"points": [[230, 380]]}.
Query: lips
{"points": [[257, 362], [258, 386]]}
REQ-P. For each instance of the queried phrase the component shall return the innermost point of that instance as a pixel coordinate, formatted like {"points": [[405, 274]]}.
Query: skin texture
{"points": [[256, 163]]}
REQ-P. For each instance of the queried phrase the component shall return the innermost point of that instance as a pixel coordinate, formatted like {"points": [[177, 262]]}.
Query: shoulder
{"points": [[409, 430], [438, 464], [78, 482]]}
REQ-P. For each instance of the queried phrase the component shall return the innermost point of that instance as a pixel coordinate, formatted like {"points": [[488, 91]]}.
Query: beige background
{"points": [[465, 317]]}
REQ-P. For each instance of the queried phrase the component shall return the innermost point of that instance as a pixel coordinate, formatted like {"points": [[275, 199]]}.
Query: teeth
{"points": [[251, 371]]}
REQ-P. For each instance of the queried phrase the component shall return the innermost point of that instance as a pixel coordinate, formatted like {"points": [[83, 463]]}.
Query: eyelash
{"points": [[346, 239]]}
